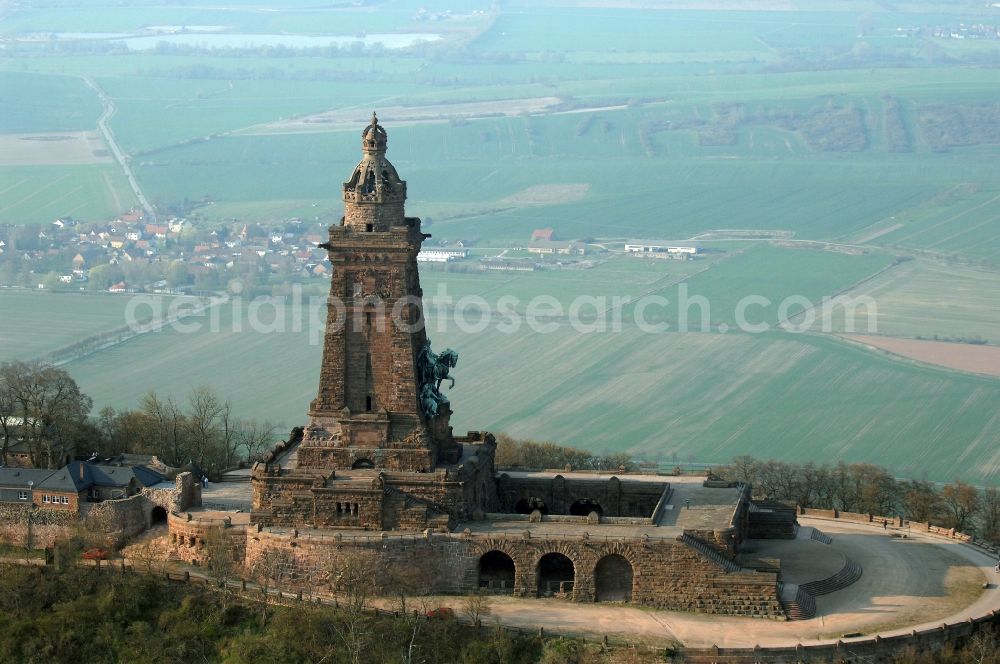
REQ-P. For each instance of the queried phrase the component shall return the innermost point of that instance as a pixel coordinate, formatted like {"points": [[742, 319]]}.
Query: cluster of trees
{"points": [[869, 489], [44, 407], [945, 127], [86, 614], [514, 453], [203, 431]]}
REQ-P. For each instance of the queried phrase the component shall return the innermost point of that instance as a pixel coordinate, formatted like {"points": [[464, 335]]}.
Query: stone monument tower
{"points": [[379, 404]]}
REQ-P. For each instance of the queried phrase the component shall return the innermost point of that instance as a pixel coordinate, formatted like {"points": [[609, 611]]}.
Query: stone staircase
{"points": [[798, 603], [707, 551], [849, 573], [230, 478], [820, 536]]}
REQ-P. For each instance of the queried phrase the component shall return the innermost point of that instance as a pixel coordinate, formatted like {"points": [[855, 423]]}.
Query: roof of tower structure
{"points": [[374, 138], [374, 175]]}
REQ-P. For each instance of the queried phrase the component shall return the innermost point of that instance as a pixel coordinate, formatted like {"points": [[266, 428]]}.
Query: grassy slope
{"points": [[699, 396], [53, 319], [705, 397], [926, 298], [709, 397]]}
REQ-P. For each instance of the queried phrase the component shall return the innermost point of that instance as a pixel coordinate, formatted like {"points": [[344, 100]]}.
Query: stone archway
{"points": [[497, 572], [157, 515], [613, 579], [556, 575], [363, 463], [584, 507]]}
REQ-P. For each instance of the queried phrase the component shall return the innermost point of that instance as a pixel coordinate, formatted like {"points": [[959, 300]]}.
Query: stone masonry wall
{"points": [[666, 573], [616, 498]]}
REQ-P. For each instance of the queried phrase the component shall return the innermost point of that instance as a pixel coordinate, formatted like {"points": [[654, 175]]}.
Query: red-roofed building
{"points": [[543, 234]]}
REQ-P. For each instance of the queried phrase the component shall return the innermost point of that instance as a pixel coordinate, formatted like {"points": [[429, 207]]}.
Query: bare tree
{"points": [[922, 501], [476, 606], [229, 427], [989, 514], [8, 418], [48, 406], [961, 503], [253, 437], [164, 428], [204, 424], [146, 556], [355, 578], [743, 469]]}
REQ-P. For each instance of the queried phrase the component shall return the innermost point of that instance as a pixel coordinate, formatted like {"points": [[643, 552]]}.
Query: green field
{"points": [[42, 194], [964, 220], [702, 397], [54, 320], [699, 397], [927, 298], [874, 156], [788, 279], [710, 397], [30, 102]]}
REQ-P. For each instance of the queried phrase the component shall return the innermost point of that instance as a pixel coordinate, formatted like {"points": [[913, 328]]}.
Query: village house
{"points": [[80, 482], [18, 484]]}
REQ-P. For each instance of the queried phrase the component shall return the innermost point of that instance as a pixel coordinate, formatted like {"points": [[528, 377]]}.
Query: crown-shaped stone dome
{"points": [[374, 182]]}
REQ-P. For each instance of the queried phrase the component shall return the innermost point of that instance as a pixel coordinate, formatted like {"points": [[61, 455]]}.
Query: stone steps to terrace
{"points": [[820, 536], [233, 477], [849, 574], [708, 552], [798, 603]]}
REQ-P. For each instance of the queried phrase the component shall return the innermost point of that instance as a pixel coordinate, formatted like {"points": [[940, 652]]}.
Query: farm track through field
{"points": [[116, 151]]}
